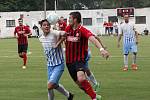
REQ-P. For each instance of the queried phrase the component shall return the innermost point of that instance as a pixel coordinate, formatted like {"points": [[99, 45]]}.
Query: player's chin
{"points": [[46, 30]]}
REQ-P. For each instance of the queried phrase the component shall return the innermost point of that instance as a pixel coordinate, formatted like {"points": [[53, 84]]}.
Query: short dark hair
{"points": [[42, 21], [76, 15], [61, 17], [20, 19]]}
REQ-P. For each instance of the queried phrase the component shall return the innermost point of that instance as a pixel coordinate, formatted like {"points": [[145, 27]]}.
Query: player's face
{"points": [[45, 27], [20, 22], [126, 18], [61, 19], [71, 20]]}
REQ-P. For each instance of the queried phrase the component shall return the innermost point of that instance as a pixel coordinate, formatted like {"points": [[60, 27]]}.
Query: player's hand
{"points": [[55, 46], [21, 32], [25, 35], [105, 54]]}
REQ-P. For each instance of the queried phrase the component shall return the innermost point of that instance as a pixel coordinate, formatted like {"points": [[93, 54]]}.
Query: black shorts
{"points": [[73, 68], [22, 48]]}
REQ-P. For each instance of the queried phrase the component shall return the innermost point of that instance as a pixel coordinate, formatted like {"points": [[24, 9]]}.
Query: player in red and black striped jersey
{"points": [[62, 24], [21, 33], [77, 51]]}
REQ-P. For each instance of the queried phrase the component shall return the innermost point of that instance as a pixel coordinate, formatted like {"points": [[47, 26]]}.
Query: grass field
{"points": [[31, 84]]}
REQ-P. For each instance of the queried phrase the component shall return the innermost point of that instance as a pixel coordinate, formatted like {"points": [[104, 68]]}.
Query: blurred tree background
{"points": [[38, 5]]}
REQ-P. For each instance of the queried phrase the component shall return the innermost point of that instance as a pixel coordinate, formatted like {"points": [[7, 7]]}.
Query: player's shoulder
{"points": [[122, 25], [131, 23], [83, 29], [41, 38], [26, 27], [53, 31]]}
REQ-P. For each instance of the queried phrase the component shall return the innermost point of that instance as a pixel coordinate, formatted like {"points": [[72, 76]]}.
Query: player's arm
{"points": [[103, 52], [28, 32], [136, 36], [99, 40], [59, 33], [62, 35], [119, 37], [60, 41], [15, 35]]}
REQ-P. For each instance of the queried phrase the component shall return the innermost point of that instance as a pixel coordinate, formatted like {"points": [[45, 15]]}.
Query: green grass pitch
{"points": [[31, 84]]}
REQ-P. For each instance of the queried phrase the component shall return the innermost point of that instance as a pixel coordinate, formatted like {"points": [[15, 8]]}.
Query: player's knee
{"points": [[50, 86], [81, 76], [23, 53]]}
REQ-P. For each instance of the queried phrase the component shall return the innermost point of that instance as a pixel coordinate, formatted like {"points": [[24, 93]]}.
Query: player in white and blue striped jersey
{"points": [[55, 59], [130, 41]]}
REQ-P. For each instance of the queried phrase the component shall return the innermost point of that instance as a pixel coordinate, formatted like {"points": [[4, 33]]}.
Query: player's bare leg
{"points": [[24, 55], [50, 91], [134, 65], [125, 68], [60, 88], [86, 86]]}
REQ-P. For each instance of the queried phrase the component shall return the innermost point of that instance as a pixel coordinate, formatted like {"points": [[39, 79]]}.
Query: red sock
{"points": [[88, 89], [24, 59]]}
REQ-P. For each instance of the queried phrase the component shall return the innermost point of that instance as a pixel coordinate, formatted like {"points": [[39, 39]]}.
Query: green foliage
{"points": [[37, 5]]}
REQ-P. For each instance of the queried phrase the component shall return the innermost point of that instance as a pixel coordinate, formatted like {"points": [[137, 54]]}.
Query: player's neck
{"points": [[75, 26], [45, 34], [126, 22]]}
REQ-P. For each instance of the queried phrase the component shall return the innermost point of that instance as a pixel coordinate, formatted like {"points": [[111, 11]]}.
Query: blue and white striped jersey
{"points": [[54, 55], [128, 31]]}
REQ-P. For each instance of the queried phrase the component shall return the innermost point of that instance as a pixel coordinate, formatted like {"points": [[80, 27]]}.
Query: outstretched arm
{"points": [[62, 38], [100, 42], [15, 35], [103, 52], [119, 38], [137, 37]]}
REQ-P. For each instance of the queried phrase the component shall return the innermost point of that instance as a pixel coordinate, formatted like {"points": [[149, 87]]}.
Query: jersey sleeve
{"points": [[86, 33], [28, 30], [65, 25], [67, 29], [15, 31]]}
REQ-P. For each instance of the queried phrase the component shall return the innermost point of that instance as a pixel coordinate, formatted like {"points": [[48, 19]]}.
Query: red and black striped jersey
{"points": [[77, 43], [22, 39]]}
